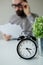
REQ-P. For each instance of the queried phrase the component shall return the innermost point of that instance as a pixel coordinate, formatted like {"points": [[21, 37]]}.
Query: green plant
{"points": [[38, 27]]}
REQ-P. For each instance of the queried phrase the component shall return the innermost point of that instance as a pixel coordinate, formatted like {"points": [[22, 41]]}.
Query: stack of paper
{"points": [[11, 29]]}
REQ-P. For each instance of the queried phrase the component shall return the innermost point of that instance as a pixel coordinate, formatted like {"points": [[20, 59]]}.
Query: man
{"points": [[23, 17]]}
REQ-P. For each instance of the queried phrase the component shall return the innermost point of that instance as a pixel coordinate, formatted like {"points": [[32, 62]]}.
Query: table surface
{"points": [[9, 56]]}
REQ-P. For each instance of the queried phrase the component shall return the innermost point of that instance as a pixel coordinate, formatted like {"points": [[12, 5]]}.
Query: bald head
{"points": [[18, 1], [17, 4]]}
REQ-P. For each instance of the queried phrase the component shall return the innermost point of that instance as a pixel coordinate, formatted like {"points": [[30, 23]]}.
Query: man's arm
{"points": [[30, 16], [6, 37]]}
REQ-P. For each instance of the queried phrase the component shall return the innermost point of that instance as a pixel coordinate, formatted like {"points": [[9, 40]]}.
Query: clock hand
{"points": [[28, 50]]}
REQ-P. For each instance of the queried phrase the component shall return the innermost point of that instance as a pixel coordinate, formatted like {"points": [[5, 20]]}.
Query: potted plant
{"points": [[38, 32]]}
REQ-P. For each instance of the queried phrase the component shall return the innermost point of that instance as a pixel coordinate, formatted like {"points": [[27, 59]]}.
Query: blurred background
{"points": [[6, 11]]}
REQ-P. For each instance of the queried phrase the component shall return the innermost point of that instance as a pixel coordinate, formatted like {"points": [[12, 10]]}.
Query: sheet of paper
{"points": [[11, 29]]}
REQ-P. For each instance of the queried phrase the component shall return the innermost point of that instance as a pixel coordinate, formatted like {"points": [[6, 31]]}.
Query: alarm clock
{"points": [[27, 47]]}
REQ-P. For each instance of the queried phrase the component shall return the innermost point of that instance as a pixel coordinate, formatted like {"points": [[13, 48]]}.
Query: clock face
{"points": [[26, 49]]}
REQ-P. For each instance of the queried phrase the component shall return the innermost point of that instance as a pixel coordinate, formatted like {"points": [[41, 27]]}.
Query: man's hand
{"points": [[6, 37], [26, 8]]}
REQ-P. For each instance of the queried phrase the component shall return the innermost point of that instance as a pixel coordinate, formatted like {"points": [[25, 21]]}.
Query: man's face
{"points": [[18, 8]]}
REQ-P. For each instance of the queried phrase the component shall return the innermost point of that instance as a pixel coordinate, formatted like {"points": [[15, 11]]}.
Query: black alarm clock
{"points": [[27, 47]]}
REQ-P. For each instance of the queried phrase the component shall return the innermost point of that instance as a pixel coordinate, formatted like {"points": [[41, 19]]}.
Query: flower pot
{"points": [[40, 44]]}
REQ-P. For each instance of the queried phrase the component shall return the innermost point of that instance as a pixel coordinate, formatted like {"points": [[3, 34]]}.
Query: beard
{"points": [[21, 13]]}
